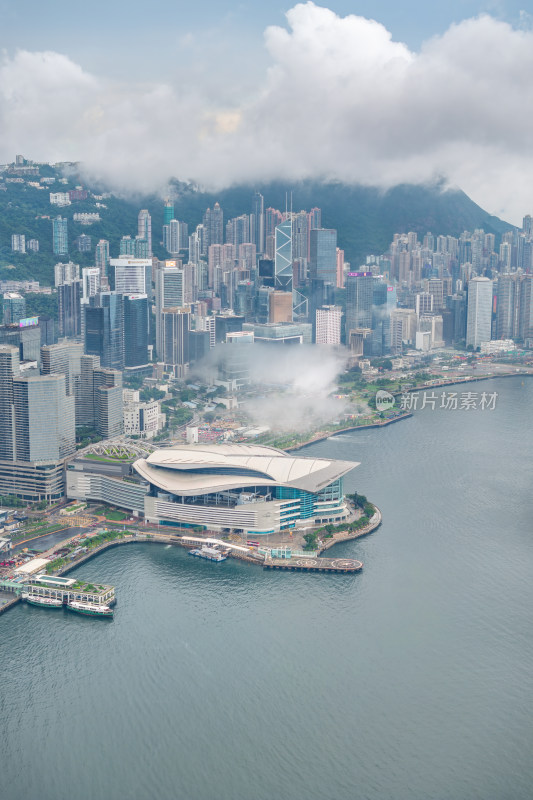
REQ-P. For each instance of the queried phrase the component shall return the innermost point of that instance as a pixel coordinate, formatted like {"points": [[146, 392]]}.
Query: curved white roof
{"points": [[204, 468]]}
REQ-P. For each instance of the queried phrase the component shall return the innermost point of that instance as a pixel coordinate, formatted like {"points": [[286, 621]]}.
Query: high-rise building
{"points": [[213, 226], [507, 313], [14, 308], [90, 278], [142, 247], [18, 243], [63, 358], [283, 257], [26, 337], [525, 309], [383, 303], [280, 306], [340, 268], [69, 308], [172, 237], [44, 419], [48, 329], [424, 303], [246, 257], [323, 254], [104, 329], [175, 324], [403, 328], [9, 368], [60, 236], [109, 411], [300, 236], [169, 293], [83, 243], [127, 246], [136, 333], [479, 312], [101, 257], [257, 222], [64, 273], [207, 325], [359, 297], [168, 211], [85, 400], [132, 275], [328, 325], [144, 230]]}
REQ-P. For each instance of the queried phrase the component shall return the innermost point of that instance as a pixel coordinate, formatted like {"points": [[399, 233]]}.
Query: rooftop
{"points": [[199, 469]]}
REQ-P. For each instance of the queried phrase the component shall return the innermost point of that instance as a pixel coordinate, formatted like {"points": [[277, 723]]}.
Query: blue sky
{"points": [[139, 39], [367, 92]]}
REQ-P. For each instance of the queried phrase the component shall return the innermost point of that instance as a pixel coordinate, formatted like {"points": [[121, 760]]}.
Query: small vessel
{"points": [[90, 609], [209, 553], [43, 602]]}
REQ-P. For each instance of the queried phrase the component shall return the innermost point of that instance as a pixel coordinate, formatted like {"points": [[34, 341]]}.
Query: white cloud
{"points": [[341, 99]]}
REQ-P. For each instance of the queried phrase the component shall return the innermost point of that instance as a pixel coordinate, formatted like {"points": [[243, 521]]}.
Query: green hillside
{"points": [[365, 217]]}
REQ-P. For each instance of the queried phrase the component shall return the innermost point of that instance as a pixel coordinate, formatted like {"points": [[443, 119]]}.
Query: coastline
{"points": [[423, 387]]}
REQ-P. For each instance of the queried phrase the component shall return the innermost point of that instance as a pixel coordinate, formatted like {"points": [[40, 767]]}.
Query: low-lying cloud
{"points": [[341, 100], [291, 387]]}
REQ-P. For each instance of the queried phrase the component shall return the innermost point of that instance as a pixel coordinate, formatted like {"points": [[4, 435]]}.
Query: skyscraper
{"points": [[175, 339], [328, 325], [135, 330], [283, 256], [169, 293], [127, 246], [213, 226], [63, 358], [9, 368], [90, 277], [144, 229], [69, 308], [168, 211], [257, 222], [323, 254], [109, 411], [64, 273], [14, 308], [60, 236], [479, 312], [44, 419], [101, 257], [507, 307], [104, 329], [359, 286], [132, 275]]}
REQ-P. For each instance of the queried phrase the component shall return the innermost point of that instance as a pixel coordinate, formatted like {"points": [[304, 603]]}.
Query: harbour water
{"points": [[409, 681]]}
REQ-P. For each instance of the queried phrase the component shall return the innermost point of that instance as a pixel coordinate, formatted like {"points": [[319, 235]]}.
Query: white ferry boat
{"points": [[90, 609], [209, 553], [43, 602]]}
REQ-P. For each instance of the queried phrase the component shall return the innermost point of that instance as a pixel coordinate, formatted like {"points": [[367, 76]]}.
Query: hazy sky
{"points": [[375, 92]]}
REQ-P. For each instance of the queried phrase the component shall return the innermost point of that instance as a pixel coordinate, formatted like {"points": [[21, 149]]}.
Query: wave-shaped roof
{"points": [[203, 468]]}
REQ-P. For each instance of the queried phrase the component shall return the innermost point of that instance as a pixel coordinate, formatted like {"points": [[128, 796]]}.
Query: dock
{"points": [[339, 565]]}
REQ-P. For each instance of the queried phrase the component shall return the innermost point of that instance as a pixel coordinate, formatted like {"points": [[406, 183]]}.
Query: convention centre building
{"points": [[242, 487]]}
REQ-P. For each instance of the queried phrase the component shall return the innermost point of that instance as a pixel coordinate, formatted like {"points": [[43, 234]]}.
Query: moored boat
{"points": [[209, 553], [90, 609], [43, 602]]}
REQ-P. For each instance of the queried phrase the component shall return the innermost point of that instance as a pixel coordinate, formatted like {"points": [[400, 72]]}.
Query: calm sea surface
{"points": [[410, 681]]}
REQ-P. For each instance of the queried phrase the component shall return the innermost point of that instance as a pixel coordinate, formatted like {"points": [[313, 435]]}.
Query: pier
{"points": [[339, 565]]}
